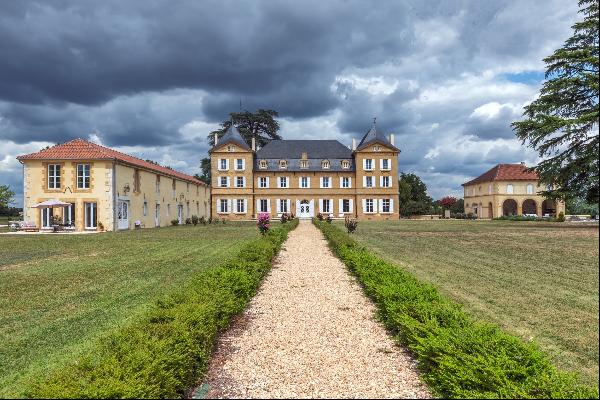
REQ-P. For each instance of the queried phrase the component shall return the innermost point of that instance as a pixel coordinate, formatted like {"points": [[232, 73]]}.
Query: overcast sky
{"points": [[152, 78]]}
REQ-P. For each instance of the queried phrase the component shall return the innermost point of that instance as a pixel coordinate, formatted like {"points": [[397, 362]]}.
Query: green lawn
{"points": [[537, 280], [60, 292]]}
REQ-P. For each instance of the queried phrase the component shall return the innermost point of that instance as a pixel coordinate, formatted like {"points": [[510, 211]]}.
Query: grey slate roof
{"points": [[316, 151], [374, 136], [233, 135]]}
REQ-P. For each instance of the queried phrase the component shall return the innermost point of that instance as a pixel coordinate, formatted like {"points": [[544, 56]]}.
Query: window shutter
{"points": [[321, 183], [229, 205], [381, 164], [390, 180], [341, 206], [320, 205], [278, 183], [269, 205], [364, 205], [381, 181], [243, 164], [308, 181], [374, 205], [227, 164], [257, 207], [351, 205], [228, 181], [267, 181], [391, 205], [300, 182], [341, 181], [364, 163], [218, 205], [389, 163], [380, 205], [278, 205], [331, 210], [364, 181], [289, 205], [350, 182]]}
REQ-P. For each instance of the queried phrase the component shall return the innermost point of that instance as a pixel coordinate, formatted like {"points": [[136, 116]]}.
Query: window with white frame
{"points": [[54, 176], [510, 189], [530, 189], [262, 164], [223, 181], [345, 164], [369, 206], [368, 181], [346, 206], [240, 181], [230, 148], [223, 164], [325, 182], [385, 164], [83, 176], [326, 206], [283, 182], [385, 181], [263, 182], [283, 164], [145, 208], [325, 164], [224, 206], [368, 164], [346, 182], [263, 205], [385, 205], [283, 206], [490, 189], [240, 206], [239, 164], [304, 164], [47, 217], [304, 182], [91, 217]]}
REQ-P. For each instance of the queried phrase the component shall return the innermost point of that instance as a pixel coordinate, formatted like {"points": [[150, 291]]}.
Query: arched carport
{"points": [[549, 208], [529, 207], [509, 207]]}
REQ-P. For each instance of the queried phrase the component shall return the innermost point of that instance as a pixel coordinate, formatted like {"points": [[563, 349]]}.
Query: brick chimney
{"points": [[253, 144], [353, 144], [216, 138], [392, 139]]}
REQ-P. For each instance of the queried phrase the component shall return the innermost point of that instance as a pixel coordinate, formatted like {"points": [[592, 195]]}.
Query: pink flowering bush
{"points": [[263, 222]]}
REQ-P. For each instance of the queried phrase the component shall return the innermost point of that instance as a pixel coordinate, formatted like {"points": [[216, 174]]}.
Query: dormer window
{"points": [[283, 164], [304, 164], [345, 164], [325, 164], [262, 164]]}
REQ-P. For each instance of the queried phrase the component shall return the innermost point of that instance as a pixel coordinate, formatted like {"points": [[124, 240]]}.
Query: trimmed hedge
{"points": [[163, 354], [459, 357]]}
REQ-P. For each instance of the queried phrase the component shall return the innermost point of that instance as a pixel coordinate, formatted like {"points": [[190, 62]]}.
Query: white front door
{"points": [[123, 214], [180, 214], [304, 211]]}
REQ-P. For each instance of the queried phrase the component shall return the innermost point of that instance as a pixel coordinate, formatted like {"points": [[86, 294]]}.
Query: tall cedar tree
{"points": [[413, 197], [260, 125], [562, 124]]}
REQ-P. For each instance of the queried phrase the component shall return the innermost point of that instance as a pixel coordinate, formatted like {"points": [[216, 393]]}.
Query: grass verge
{"points": [[164, 352], [459, 357]]}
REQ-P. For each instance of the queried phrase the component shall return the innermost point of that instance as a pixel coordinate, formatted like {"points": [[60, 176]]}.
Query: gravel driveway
{"points": [[310, 332]]}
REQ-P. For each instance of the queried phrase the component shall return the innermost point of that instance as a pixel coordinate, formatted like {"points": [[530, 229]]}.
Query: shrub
{"points": [[210, 220], [285, 217], [263, 223], [163, 353], [329, 218], [320, 217], [458, 355], [195, 220], [188, 221], [351, 224], [202, 220], [561, 217], [174, 222]]}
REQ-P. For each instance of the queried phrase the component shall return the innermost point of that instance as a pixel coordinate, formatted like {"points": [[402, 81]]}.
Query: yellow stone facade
{"points": [[494, 199], [240, 190], [117, 197]]}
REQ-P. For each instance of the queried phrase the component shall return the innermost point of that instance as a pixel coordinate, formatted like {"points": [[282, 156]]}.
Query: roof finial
{"points": [[374, 121]]}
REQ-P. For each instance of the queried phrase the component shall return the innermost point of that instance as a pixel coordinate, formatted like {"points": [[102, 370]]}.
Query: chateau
{"points": [[508, 189], [106, 189], [304, 177]]}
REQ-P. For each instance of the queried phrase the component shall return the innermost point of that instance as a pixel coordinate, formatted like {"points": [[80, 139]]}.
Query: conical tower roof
{"points": [[233, 135], [372, 136]]}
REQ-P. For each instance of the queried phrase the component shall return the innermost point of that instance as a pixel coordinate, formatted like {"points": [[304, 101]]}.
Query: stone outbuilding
{"points": [[508, 189]]}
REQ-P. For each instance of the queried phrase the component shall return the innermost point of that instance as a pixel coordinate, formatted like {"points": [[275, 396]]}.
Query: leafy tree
{"points": [[562, 124], [413, 197], [579, 206], [7, 196], [260, 125], [458, 207]]}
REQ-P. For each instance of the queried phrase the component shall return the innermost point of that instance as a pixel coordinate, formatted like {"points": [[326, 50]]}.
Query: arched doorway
{"points": [[509, 207], [549, 208], [490, 211], [529, 207]]}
